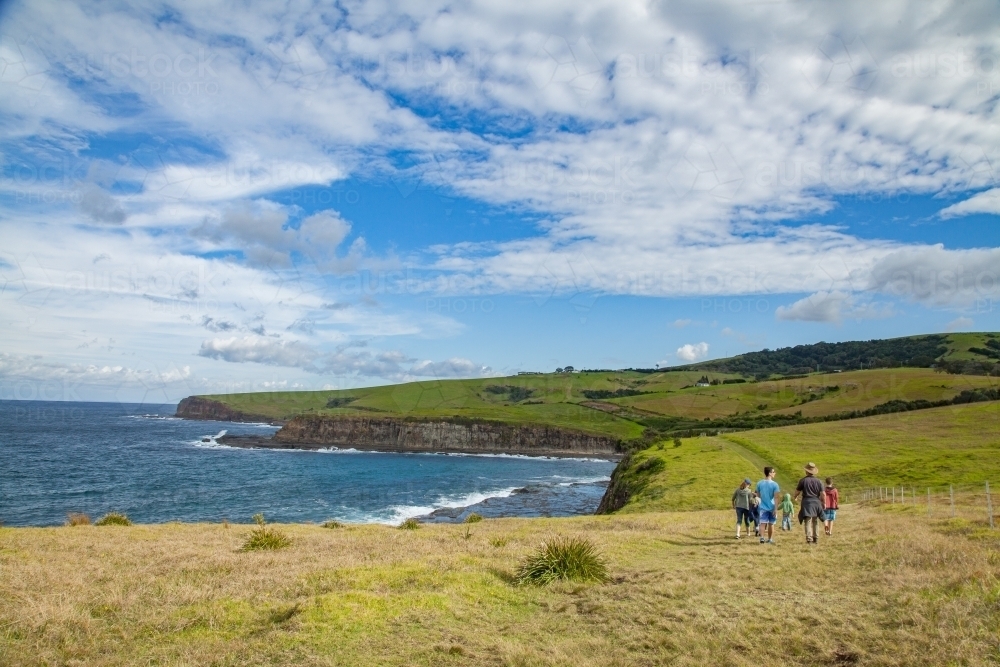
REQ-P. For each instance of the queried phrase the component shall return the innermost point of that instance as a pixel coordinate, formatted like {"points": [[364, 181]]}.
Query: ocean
{"points": [[59, 457]]}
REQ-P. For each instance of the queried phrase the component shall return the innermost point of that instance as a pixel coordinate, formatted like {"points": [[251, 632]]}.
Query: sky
{"points": [[213, 197]]}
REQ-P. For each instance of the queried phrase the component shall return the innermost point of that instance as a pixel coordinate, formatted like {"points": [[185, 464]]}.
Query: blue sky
{"points": [[332, 196]]}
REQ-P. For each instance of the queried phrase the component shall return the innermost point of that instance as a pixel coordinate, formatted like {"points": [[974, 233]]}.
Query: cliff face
{"points": [[195, 407], [387, 434]]}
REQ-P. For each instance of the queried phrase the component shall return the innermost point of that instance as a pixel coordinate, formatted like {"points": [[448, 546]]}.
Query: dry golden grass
{"points": [[890, 588]]}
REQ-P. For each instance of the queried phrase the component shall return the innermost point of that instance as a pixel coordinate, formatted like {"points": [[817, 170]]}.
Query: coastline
{"points": [[264, 442]]}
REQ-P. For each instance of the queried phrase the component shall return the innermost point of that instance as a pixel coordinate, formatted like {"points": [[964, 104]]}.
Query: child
{"points": [[787, 508], [755, 513], [831, 503]]}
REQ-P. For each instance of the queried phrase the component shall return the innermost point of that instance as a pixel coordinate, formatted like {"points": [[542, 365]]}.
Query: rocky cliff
{"points": [[195, 407], [465, 436]]}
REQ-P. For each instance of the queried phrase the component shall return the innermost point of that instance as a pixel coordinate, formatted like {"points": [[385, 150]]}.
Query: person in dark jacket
{"points": [[741, 503], [812, 508]]}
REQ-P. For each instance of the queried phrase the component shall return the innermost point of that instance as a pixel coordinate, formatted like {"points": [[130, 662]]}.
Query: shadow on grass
{"points": [[503, 575], [697, 541]]}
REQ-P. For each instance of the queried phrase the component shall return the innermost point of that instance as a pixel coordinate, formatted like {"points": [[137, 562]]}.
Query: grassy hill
{"points": [[624, 404], [954, 445]]}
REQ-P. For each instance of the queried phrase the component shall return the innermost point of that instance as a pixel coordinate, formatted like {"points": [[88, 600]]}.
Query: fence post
{"points": [[928, 500], [951, 494], [989, 503], [902, 494], [894, 494]]}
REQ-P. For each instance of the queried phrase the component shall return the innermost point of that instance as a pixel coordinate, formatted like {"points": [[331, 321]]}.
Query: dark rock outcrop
{"points": [[196, 407], [463, 436]]}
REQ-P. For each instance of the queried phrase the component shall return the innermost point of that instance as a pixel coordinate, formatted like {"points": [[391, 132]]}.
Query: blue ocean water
{"points": [[58, 457]]}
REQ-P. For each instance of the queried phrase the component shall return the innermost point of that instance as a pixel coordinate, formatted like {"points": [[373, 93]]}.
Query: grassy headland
{"points": [[742, 391]]}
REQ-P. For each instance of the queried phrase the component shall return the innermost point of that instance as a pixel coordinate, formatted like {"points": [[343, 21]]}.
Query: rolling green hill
{"points": [[954, 445], [631, 403]]}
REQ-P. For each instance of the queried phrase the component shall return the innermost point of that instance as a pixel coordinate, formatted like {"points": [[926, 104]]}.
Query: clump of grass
{"points": [[409, 524], [113, 519], [499, 542], [262, 537], [77, 519], [474, 518], [572, 559], [331, 524]]}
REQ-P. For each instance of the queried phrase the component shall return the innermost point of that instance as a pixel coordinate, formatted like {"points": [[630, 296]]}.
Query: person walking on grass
{"points": [[831, 503], [741, 503], [811, 509], [787, 507], [755, 512], [769, 492]]}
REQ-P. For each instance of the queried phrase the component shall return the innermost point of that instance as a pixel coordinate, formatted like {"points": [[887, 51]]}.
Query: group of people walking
{"points": [[759, 505]]}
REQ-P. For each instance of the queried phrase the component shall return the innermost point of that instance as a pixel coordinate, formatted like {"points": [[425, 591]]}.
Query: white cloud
{"points": [[260, 350], [987, 201], [939, 277], [818, 307], [454, 367], [680, 324], [100, 206], [693, 352], [833, 307], [960, 323]]}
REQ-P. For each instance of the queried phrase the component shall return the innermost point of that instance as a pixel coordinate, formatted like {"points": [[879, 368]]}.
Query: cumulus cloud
{"points": [[450, 368], [938, 277], [960, 323], [260, 350], [101, 206], [833, 307], [262, 231], [37, 368], [987, 201], [692, 352], [348, 360], [818, 307]]}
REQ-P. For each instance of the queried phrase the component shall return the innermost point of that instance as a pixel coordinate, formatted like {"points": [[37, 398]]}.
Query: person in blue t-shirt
{"points": [[770, 493]]}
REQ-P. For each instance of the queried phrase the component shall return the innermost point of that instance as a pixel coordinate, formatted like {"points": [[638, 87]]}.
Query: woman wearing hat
{"points": [[811, 510]]}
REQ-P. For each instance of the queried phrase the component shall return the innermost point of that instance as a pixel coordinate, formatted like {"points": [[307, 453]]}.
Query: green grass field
{"points": [[902, 589], [955, 445], [559, 399]]}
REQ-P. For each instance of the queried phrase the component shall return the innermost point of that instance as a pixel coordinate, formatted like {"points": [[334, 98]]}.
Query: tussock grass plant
{"points": [[331, 524], [409, 524], [77, 519], [263, 538], [113, 519], [498, 542], [474, 518], [570, 559]]}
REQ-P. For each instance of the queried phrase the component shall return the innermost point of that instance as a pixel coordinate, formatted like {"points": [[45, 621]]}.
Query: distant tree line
{"points": [[596, 394], [921, 351]]}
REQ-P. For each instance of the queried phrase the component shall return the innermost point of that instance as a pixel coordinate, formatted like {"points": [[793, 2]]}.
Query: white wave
{"points": [[585, 480], [527, 457], [400, 513]]}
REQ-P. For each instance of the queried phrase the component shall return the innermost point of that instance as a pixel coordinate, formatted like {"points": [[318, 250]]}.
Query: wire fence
{"points": [[971, 502]]}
